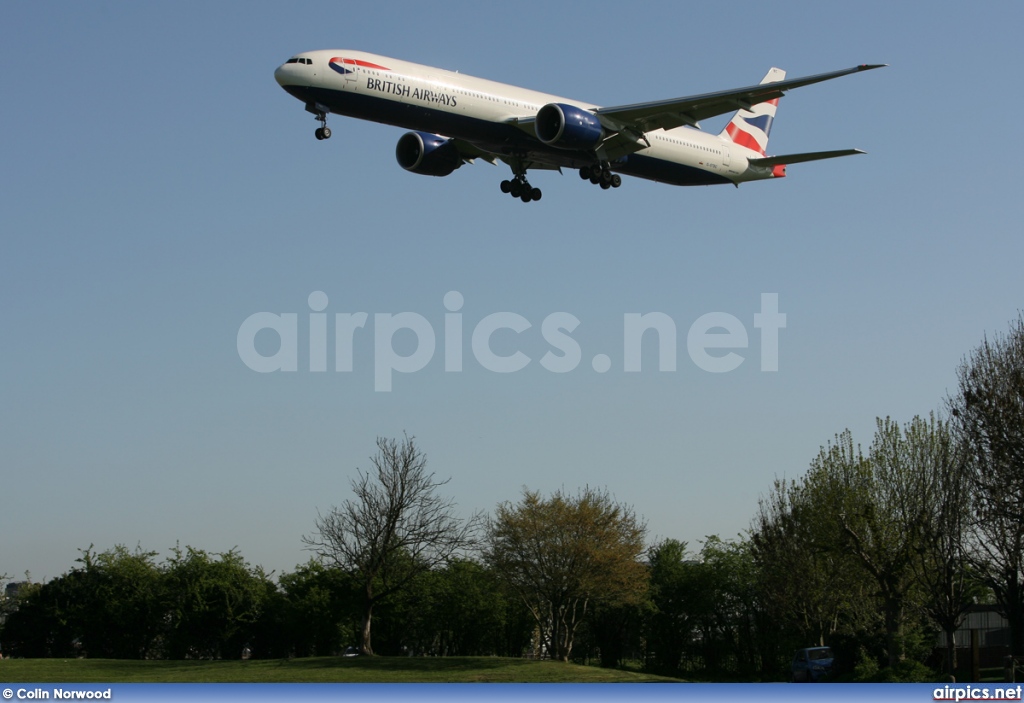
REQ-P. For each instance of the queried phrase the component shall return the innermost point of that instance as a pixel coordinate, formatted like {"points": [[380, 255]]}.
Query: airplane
{"points": [[456, 119]]}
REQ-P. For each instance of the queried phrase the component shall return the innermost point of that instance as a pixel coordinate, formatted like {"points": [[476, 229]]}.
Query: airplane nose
{"points": [[280, 75]]}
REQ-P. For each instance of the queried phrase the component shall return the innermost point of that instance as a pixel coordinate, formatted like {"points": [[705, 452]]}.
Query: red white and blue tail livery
{"points": [[750, 128], [456, 119]]}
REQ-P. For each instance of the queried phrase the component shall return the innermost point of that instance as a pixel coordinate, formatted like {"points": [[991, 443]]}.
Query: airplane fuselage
{"points": [[480, 111], [458, 118]]}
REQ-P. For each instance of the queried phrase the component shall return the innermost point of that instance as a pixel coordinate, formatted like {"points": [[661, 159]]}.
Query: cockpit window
{"points": [[307, 62], [292, 61]]}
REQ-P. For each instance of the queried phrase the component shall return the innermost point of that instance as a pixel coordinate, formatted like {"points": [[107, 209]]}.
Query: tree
{"points": [[884, 504], [881, 504], [670, 621], [38, 625], [988, 417], [461, 609], [732, 606], [119, 604], [883, 526], [108, 607], [942, 565], [213, 606], [565, 553], [394, 530], [7, 605], [805, 582], [318, 615]]}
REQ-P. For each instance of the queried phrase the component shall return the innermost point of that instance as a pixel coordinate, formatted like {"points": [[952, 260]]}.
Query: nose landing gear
{"points": [[322, 132]]}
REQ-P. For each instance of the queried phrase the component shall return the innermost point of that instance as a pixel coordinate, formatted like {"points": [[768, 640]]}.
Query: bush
{"points": [[907, 671]]}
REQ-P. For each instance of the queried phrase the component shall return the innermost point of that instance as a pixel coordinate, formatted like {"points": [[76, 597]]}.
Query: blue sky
{"points": [[157, 188]]}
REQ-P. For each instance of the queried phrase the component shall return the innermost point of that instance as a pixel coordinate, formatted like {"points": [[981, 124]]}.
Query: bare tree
{"points": [[988, 416], [394, 529], [942, 567]]}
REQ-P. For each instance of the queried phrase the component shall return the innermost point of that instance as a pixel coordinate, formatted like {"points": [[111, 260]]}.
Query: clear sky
{"points": [[157, 188]]}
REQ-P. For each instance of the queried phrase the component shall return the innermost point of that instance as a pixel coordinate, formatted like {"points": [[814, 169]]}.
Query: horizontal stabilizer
{"points": [[786, 160]]}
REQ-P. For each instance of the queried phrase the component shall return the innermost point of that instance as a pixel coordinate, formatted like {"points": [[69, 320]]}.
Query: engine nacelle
{"points": [[427, 154], [568, 127]]}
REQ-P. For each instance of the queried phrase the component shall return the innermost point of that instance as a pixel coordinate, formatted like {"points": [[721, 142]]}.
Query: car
{"points": [[812, 664]]}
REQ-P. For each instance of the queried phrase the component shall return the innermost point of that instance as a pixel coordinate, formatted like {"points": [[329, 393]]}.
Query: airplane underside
{"points": [[505, 141]]}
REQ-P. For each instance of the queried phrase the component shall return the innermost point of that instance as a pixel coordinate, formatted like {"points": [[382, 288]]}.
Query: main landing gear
{"points": [[601, 174], [323, 131], [520, 188]]}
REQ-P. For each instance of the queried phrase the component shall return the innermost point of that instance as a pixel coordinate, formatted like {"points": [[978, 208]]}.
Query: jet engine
{"points": [[568, 127], [427, 154]]}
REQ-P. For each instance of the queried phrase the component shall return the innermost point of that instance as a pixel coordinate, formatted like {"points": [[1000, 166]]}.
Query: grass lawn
{"points": [[314, 670]]}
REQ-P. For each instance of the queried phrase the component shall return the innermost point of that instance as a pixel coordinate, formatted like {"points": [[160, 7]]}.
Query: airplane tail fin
{"points": [[750, 128]]}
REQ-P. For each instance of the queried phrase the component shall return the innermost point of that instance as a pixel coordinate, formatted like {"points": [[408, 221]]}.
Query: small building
{"points": [[993, 635]]}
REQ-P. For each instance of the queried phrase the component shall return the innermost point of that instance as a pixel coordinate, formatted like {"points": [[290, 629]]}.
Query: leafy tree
{"points": [[807, 585], [109, 606], [394, 530], [319, 609], [865, 497], [729, 578], [465, 611], [888, 527], [119, 603], [988, 417], [212, 605], [670, 622], [614, 634], [884, 505], [563, 554], [38, 625]]}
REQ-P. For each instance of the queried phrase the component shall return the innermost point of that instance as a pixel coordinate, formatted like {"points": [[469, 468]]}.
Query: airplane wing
{"points": [[470, 152], [669, 114], [627, 125], [786, 160]]}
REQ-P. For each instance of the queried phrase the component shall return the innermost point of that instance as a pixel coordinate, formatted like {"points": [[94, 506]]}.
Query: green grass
{"points": [[314, 670]]}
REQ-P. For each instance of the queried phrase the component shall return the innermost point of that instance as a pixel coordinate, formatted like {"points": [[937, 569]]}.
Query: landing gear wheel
{"points": [[601, 175], [323, 131], [519, 188]]}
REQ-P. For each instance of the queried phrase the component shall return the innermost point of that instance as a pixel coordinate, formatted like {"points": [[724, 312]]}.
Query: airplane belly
{"points": [[663, 171]]}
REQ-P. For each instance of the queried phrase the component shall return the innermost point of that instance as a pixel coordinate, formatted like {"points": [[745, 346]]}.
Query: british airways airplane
{"points": [[456, 119]]}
